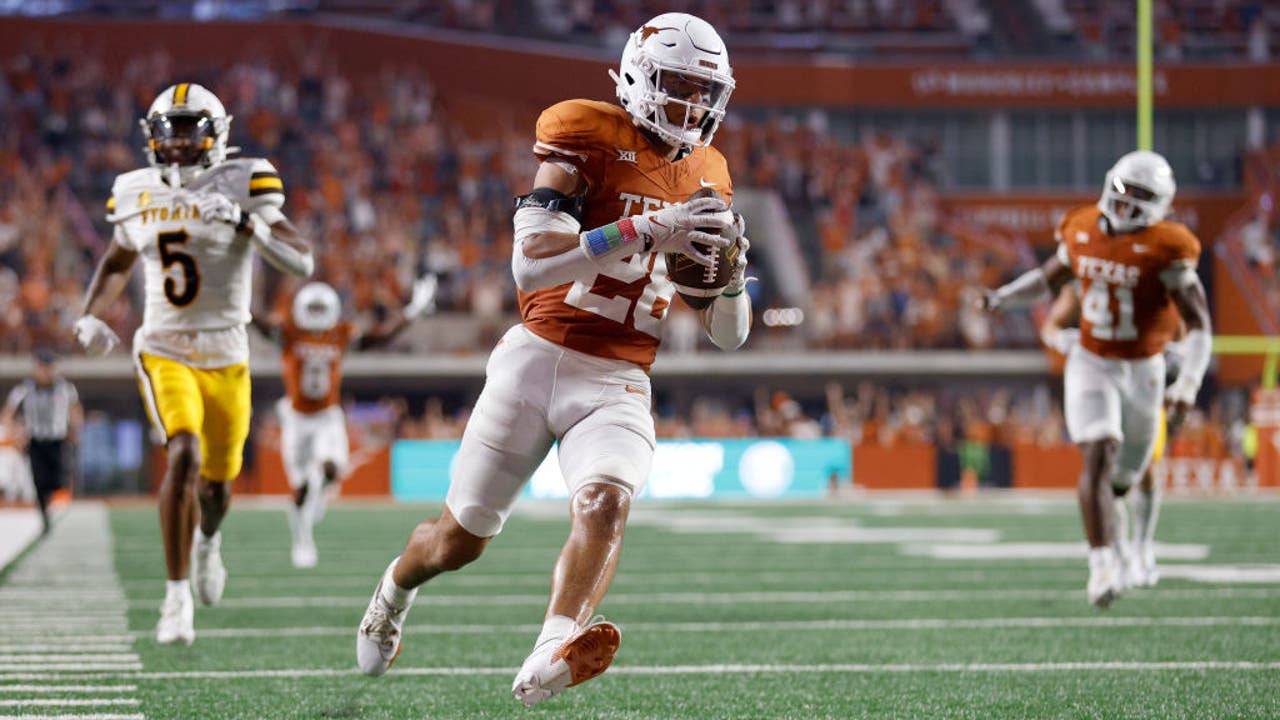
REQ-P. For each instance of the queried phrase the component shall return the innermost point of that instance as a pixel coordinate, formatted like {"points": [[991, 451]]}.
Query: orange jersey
{"points": [[313, 365], [615, 315], [1125, 309]]}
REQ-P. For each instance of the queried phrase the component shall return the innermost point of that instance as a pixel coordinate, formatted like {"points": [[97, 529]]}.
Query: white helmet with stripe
{"points": [[186, 126]]}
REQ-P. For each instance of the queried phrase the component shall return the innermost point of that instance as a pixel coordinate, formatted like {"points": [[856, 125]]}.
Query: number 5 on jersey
{"points": [[190, 273]]}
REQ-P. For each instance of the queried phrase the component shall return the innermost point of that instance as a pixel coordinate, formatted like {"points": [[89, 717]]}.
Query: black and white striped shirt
{"points": [[46, 409]]}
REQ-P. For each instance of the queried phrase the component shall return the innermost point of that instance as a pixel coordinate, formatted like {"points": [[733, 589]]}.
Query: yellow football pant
{"points": [[213, 404]]}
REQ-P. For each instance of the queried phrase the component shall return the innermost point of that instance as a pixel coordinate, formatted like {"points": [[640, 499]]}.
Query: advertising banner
{"points": [[748, 468]]}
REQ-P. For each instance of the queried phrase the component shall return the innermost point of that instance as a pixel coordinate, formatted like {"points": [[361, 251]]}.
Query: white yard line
{"points": [[775, 626], [45, 646], [62, 702], [771, 669], [63, 610], [92, 716], [760, 597], [44, 688]]}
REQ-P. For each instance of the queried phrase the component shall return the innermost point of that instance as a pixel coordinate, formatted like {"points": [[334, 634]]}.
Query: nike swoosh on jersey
{"points": [[703, 182]]}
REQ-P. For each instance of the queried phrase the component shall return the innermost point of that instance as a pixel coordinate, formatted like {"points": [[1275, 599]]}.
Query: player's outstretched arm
{"points": [[1193, 307], [1034, 285], [420, 305], [727, 320], [109, 280]]}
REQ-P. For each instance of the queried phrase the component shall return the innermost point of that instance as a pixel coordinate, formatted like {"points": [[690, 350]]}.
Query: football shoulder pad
{"points": [[135, 191]]}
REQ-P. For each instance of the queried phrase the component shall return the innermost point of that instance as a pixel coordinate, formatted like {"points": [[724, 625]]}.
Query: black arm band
{"points": [[553, 200]]}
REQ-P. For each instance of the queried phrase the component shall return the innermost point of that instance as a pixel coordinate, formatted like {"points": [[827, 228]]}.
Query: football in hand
{"points": [[697, 284]]}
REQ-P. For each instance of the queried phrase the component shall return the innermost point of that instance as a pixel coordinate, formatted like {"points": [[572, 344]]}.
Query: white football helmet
{"points": [[1138, 191], [186, 126], [316, 307], [676, 59]]}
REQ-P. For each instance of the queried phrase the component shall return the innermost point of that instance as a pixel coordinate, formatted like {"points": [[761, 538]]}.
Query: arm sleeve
{"points": [[536, 273], [727, 320], [1183, 255]]}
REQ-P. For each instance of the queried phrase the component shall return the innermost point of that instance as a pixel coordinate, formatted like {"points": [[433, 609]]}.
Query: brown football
{"points": [[699, 285]]}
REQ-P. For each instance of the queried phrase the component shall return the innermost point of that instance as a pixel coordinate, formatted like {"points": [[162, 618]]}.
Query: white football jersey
{"points": [[198, 275]]}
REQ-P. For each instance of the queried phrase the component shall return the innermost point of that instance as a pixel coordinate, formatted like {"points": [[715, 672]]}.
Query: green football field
{"points": [[872, 608]]}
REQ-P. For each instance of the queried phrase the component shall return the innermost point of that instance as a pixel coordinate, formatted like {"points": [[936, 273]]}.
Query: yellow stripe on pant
{"points": [[213, 404], [1162, 437]]}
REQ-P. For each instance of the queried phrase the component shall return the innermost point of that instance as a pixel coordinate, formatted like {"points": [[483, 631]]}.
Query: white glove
{"points": [[1062, 340], [677, 227], [95, 336], [738, 276], [423, 301], [216, 207]]}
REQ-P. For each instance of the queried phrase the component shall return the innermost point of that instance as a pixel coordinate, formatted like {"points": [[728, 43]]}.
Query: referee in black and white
{"points": [[52, 416]]}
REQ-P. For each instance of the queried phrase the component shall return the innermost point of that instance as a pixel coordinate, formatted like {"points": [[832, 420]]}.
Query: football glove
{"points": [[95, 336], [216, 207], [738, 275], [1062, 340], [423, 301], [678, 227]]}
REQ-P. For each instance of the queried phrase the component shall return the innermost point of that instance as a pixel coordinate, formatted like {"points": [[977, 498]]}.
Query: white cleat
{"points": [[562, 663], [303, 554], [208, 574], [378, 639], [1142, 567], [1104, 578], [177, 621]]}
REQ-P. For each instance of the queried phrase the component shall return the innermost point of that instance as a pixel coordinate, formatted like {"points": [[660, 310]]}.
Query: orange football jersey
{"points": [[1125, 309], [313, 365], [616, 315]]}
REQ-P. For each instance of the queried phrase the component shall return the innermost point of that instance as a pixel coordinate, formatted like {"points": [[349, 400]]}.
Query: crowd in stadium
{"points": [[389, 185]]}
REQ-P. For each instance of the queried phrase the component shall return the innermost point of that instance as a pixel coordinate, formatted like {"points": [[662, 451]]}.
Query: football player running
{"points": [[314, 340], [588, 262], [1136, 271], [195, 218], [1135, 553]]}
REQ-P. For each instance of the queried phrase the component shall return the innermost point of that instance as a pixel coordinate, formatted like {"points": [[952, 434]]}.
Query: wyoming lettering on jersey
{"points": [[197, 274], [1125, 312], [313, 365], [617, 315]]}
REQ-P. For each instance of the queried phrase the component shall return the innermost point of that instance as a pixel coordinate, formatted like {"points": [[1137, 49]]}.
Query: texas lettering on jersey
{"points": [[617, 314], [1125, 312], [313, 365]]}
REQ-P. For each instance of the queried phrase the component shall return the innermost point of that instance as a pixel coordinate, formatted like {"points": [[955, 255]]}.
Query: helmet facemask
{"points": [[181, 139]]}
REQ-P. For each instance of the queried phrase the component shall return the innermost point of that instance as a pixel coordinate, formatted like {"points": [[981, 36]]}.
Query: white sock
{"points": [[1146, 510], [180, 589], [556, 627], [393, 593], [1100, 557], [1120, 528]]}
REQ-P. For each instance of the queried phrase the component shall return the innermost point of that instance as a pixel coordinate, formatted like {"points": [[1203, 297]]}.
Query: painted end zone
{"points": [[763, 468]]}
